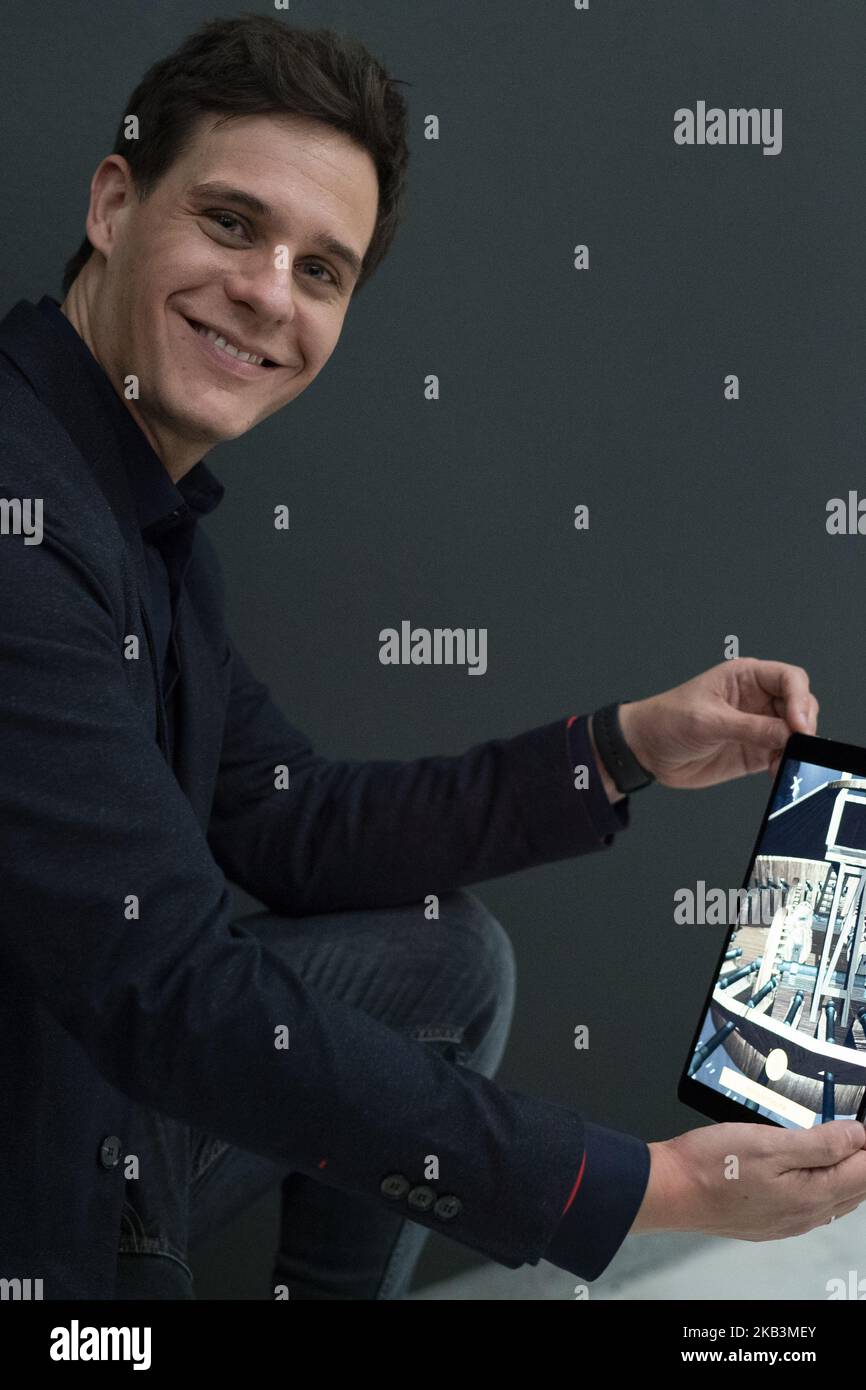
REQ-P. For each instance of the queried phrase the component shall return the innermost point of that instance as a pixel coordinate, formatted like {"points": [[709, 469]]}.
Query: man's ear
{"points": [[111, 192]]}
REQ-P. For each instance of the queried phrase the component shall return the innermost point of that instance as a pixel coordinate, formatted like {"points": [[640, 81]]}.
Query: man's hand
{"points": [[732, 720], [789, 1181]]}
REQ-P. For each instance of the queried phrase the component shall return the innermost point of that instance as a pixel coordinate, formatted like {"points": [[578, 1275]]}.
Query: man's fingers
{"points": [[790, 685], [827, 1145], [759, 729]]}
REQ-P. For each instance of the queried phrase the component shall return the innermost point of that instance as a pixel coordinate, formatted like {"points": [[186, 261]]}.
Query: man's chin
{"points": [[206, 431]]}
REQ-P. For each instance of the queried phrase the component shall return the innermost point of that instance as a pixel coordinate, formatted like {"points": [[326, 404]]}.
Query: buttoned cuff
{"points": [[608, 817], [611, 1181]]}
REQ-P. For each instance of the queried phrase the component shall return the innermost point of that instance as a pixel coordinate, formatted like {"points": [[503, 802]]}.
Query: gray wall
{"points": [[558, 387]]}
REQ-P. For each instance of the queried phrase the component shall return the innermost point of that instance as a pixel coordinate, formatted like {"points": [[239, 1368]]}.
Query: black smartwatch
{"points": [[620, 761]]}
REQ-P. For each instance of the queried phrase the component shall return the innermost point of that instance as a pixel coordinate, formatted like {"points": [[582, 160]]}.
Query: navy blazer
{"points": [[106, 1009]]}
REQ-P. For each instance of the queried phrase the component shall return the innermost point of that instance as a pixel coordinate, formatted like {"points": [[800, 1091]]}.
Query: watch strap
{"points": [[628, 774]]}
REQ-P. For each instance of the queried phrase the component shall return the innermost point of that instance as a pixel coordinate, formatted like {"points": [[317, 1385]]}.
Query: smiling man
{"points": [[224, 292], [162, 1063]]}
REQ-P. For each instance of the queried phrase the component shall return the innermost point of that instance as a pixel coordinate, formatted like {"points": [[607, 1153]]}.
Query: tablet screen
{"points": [[784, 1031]]}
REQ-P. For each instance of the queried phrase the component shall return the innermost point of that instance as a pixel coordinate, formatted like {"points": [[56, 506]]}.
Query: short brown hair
{"points": [[256, 65]]}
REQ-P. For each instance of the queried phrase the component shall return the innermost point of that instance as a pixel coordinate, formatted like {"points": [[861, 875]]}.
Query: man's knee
{"points": [[493, 941]]}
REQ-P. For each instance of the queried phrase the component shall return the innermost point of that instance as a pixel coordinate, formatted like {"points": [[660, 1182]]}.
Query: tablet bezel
{"points": [[823, 752]]}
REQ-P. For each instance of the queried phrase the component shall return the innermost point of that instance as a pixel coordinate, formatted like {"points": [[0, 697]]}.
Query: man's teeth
{"points": [[230, 348]]}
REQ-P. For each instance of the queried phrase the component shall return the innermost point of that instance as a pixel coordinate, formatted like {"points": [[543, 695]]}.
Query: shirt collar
{"points": [[160, 504]]}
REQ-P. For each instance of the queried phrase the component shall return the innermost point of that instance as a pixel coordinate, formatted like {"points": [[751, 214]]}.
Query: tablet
{"points": [[781, 1038]]}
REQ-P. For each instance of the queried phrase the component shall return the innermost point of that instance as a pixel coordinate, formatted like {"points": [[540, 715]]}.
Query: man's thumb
{"points": [[823, 1145], [759, 729]]}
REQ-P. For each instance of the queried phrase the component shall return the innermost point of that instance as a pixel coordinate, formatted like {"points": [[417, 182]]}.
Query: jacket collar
{"points": [[70, 381]]}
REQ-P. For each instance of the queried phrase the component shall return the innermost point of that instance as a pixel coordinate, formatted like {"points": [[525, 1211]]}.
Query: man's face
{"points": [[188, 256]]}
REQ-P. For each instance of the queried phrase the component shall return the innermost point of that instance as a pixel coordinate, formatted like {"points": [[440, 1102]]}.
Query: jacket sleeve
{"points": [[117, 916], [376, 834], [611, 1181]]}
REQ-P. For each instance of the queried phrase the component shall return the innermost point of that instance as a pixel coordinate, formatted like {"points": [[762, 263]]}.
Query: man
{"points": [[163, 1064]]}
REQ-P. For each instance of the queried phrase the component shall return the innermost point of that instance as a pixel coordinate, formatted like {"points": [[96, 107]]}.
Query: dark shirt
{"points": [[167, 513], [611, 1174]]}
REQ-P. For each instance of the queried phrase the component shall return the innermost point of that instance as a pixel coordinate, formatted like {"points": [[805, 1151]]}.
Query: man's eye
{"points": [[318, 266], [225, 216]]}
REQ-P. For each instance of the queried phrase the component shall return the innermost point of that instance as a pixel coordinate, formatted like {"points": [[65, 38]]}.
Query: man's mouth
{"points": [[222, 346]]}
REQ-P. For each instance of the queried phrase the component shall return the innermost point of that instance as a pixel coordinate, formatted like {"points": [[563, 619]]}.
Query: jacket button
{"points": [[421, 1198], [109, 1151], [394, 1186], [448, 1207]]}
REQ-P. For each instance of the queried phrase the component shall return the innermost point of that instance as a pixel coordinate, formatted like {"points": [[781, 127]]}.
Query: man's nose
{"points": [[269, 290]]}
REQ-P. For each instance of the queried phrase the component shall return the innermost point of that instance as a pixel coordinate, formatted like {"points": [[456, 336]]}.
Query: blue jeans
{"points": [[449, 984]]}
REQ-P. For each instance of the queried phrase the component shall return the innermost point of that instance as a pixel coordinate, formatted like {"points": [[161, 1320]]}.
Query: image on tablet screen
{"points": [[785, 1033]]}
